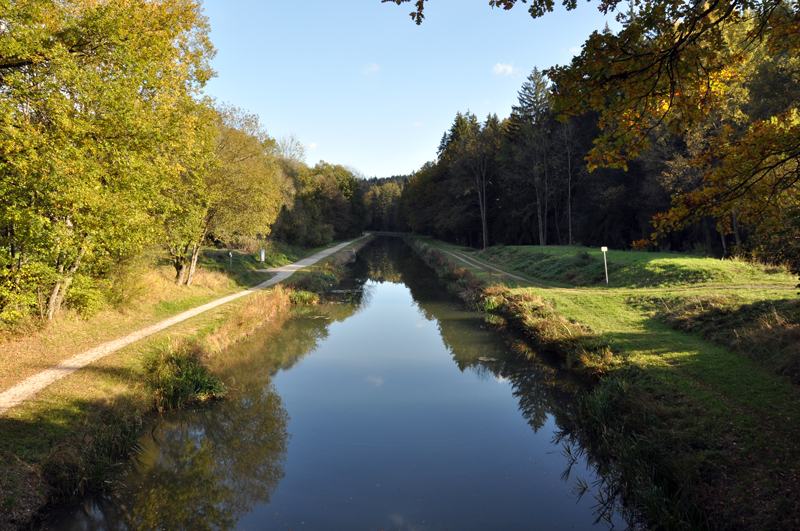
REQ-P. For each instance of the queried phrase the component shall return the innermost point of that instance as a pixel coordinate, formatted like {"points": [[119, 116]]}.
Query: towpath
{"points": [[29, 387]]}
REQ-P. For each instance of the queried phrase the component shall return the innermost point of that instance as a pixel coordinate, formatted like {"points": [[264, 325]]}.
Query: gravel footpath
{"points": [[29, 387]]}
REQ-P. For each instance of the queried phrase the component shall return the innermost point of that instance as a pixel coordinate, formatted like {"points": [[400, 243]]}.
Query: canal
{"points": [[390, 407]]}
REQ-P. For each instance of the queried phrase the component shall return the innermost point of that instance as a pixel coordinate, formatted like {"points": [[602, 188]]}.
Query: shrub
{"points": [[303, 297], [176, 376], [84, 296]]}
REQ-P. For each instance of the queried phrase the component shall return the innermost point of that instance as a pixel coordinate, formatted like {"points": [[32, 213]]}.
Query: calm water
{"points": [[370, 413]]}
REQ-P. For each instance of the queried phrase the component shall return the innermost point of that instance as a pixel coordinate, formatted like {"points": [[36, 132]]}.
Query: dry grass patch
{"points": [[257, 309]]}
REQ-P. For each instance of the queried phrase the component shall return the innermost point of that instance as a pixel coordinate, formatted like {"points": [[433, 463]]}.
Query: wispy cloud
{"points": [[370, 69], [418, 124], [375, 381], [312, 145], [502, 69]]}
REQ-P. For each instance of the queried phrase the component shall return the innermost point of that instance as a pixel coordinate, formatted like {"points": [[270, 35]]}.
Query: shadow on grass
{"points": [[721, 429]]}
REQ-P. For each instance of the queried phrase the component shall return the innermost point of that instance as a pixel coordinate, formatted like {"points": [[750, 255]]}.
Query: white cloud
{"points": [[371, 68], [502, 69], [312, 145], [417, 124], [376, 381]]}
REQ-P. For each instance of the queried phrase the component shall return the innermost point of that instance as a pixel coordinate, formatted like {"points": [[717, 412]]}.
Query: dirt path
{"points": [[29, 387], [490, 269], [485, 267]]}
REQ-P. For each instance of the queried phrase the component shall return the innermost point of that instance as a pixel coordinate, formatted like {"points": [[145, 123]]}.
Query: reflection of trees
{"points": [[538, 386], [377, 261], [202, 469], [209, 468]]}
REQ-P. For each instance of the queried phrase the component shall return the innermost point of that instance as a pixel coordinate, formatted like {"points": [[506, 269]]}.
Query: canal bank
{"points": [[690, 433]]}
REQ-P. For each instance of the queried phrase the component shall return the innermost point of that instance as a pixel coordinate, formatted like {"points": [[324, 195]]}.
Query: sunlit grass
{"points": [[582, 266]]}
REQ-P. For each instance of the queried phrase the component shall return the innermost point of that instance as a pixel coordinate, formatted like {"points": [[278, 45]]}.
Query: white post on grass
{"points": [[605, 262], [262, 256]]}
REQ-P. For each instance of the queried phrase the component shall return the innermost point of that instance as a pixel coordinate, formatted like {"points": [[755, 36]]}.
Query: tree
{"points": [[237, 193], [90, 99], [289, 147], [475, 155], [532, 151]]}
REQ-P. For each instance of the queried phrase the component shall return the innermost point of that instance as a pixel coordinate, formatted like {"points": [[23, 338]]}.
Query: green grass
{"points": [[582, 266], [176, 376], [691, 430]]}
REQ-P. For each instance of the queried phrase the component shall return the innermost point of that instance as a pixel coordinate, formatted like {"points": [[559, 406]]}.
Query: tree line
{"points": [[108, 145], [598, 154]]}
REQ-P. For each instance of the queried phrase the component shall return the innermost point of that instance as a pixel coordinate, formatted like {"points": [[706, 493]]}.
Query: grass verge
{"points": [[582, 266]]}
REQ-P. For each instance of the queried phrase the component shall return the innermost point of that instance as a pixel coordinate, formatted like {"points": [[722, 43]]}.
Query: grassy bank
{"points": [[694, 416], [71, 437]]}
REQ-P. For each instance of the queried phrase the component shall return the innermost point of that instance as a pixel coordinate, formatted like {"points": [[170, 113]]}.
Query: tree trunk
{"points": [[707, 233], [569, 206], [736, 234], [555, 220], [62, 285], [484, 223], [193, 265], [724, 245], [179, 263]]}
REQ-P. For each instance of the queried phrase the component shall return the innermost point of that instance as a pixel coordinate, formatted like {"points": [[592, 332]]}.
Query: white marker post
{"points": [[262, 256], [605, 262]]}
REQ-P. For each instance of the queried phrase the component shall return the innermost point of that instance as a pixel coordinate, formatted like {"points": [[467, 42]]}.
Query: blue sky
{"points": [[359, 84]]}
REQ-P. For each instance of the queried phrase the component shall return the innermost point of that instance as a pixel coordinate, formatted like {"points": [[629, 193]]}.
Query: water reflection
{"points": [[198, 471], [539, 387]]}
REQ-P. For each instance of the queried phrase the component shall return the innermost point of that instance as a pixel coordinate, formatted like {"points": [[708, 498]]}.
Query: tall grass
{"points": [[175, 376], [581, 350], [257, 310], [640, 460]]}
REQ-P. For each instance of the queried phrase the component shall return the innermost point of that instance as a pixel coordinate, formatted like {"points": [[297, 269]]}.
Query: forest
{"points": [[679, 132]]}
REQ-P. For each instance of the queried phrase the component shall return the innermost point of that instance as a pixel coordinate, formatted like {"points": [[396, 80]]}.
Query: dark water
{"points": [[370, 413]]}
